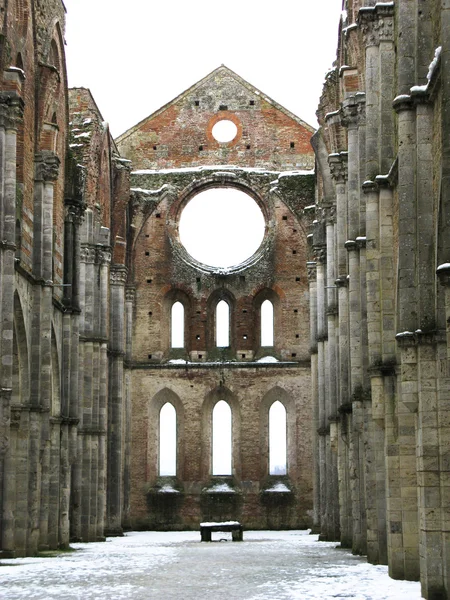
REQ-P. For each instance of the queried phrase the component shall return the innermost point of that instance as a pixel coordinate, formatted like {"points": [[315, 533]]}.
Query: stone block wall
{"points": [[379, 273]]}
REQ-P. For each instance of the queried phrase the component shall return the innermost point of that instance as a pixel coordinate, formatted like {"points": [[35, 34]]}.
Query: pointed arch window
{"points": [[167, 440], [177, 326], [221, 439], [222, 324], [277, 439], [267, 323]]}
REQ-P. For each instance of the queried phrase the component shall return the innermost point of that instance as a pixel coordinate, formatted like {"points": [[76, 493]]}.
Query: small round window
{"points": [[224, 131]]}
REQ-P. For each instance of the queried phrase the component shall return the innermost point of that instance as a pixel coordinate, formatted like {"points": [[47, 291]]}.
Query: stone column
{"points": [[11, 108], [74, 400], [333, 532], [435, 534], [314, 390], [105, 260], [116, 402], [402, 495], [130, 294], [338, 168], [322, 430], [46, 173]]}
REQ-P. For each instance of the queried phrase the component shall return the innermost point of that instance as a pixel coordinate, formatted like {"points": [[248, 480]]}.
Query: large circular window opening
{"points": [[224, 131], [221, 227]]}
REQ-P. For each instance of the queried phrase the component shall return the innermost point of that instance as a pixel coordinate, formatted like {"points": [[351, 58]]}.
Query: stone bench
{"points": [[206, 530]]}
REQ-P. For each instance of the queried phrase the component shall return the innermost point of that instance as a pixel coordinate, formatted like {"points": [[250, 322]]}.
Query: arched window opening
{"points": [[54, 55], [168, 440], [221, 439], [277, 439], [177, 325], [222, 324], [267, 323]]}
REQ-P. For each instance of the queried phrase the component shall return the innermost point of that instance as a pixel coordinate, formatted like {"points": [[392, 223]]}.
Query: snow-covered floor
{"points": [[176, 565]]}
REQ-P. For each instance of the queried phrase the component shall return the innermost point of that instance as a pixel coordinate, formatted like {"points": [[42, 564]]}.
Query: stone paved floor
{"points": [[176, 565]]}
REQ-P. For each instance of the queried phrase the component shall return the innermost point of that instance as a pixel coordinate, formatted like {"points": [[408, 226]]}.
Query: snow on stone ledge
{"points": [[223, 168], [443, 267], [151, 192], [168, 489], [434, 62], [220, 488], [278, 487], [219, 524], [268, 359]]}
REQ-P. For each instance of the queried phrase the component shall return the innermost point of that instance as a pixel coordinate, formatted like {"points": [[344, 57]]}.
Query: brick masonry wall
{"points": [[169, 146], [248, 387], [180, 134]]}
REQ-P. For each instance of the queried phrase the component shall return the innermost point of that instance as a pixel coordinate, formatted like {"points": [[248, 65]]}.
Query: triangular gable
{"points": [[222, 69]]}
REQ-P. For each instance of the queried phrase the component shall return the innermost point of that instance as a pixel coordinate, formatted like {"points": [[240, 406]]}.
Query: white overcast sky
{"points": [[137, 55]]}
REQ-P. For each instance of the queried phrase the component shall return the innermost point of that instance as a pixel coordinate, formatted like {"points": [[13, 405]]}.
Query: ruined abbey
{"points": [[339, 319]]}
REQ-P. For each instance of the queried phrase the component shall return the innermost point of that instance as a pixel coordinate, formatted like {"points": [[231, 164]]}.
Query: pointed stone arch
{"points": [[213, 300], [170, 298], [271, 295], [55, 410], [21, 365], [275, 394], [153, 433], [212, 398]]}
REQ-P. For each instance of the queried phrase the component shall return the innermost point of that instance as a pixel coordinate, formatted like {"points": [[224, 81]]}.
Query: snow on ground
{"points": [[177, 566]]}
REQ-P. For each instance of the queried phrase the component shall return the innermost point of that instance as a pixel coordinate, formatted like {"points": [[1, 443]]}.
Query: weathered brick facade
{"points": [[266, 160], [180, 133]]}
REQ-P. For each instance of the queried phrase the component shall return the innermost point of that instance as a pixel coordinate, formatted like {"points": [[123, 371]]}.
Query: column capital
{"points": [[338, 166], [87, 254], [11, 110], [330, 214], [74, 213], [320, 254], [377, 23], [103, 255], [130, 293], [312, 271], [46, 165], [118, 275], [353, 111]]}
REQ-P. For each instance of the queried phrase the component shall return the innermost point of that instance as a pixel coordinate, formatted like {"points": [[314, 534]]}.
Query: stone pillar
{"points": [[322, 430], [312, 278], [377, 304], [11, 108], [116, 402], [46, 173], [104, 259], [435, 532], [351, 112], [130, 294], [333, 532], [338, 168], [69, 377], [74, 400], [402, 495]]}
